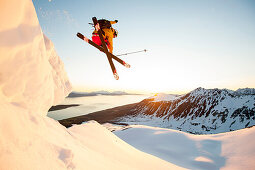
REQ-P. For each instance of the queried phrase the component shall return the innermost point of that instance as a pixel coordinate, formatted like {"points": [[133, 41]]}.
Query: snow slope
{"points": [[31, 73], [32, 79], [225, 151], [163, 97]]}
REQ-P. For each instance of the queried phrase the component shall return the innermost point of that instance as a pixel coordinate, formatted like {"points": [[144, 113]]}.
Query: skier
{"points": [[104, 32], [108, 33]]}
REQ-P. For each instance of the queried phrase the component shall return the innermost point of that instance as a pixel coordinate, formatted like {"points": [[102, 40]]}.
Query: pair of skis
{"points": [[104, 49]]}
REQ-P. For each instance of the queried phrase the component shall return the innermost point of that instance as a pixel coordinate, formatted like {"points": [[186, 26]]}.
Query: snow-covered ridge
{"points": [[200, 111], [163, 97], [202, 91], [244, 91], [32, 75]]}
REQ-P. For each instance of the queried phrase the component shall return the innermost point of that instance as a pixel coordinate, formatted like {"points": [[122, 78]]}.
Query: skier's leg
{"points": [[109, 46], [96, 39]]}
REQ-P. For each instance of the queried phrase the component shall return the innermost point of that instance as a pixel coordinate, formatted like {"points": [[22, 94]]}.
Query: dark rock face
{"points": [[201, 111]]}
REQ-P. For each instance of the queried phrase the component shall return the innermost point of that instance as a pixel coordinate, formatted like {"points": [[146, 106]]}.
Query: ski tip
{"points": [[116, 76], [80, 35], [127, 65]]}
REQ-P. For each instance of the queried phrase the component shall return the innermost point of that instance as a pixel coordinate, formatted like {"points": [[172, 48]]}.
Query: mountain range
{"points": [[201, 111]]}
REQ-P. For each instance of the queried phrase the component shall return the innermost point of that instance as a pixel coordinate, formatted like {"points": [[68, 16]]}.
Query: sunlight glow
{"points": [[191, 50]]}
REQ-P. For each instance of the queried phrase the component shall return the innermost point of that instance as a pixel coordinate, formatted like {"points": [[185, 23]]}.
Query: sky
{"points": [[199, 43]]}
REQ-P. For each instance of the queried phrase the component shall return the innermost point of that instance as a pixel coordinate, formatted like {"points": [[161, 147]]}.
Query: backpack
{"points": [[104, 23]]}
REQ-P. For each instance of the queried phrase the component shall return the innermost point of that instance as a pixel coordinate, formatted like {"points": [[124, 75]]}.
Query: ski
{"points": [[81, 36]]}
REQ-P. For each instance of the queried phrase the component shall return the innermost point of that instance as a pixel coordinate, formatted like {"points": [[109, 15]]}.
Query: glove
{"points": [[116, 21]]}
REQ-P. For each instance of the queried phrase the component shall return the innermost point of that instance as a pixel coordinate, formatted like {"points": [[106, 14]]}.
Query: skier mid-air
{"points": [[102, 39]]}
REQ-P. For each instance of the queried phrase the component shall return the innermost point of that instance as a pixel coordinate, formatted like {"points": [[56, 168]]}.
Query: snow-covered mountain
{"points": [[202, 111]]}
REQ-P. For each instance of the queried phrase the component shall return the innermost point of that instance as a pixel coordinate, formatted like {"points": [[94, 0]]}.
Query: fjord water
{"points": [[90, 104]]}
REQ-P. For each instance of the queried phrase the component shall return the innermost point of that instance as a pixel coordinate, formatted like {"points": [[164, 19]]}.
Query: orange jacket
{"points": [[109, 35]]}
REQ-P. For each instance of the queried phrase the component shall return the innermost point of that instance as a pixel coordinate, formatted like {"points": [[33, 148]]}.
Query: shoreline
{"points": [[61, 107], [103, 116]]}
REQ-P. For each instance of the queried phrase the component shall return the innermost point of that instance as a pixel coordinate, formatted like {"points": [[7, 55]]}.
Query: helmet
{"points": [[115, 33]]}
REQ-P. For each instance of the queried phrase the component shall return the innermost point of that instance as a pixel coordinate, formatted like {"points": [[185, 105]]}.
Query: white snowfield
{"points": [[164, 97], [32, 79], [225, 151]]}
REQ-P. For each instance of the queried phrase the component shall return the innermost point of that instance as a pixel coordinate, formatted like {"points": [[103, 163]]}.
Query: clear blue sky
{"points": [[207, 43]]}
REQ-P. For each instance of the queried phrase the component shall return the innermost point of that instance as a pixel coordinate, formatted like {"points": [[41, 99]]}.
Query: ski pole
{"points": [[133, 52]]}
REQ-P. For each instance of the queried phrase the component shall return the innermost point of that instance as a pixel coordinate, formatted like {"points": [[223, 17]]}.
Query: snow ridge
{"points": [[202, 111]]}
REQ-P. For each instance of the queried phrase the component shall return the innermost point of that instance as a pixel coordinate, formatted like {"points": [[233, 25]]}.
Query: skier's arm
{"points": [[110, 46], [95, 32], [114, 22]]}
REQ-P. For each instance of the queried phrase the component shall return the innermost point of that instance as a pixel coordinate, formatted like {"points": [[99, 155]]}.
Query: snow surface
{"points": [[32, 79], [31, 73], [225, 151], [163, 97]]}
